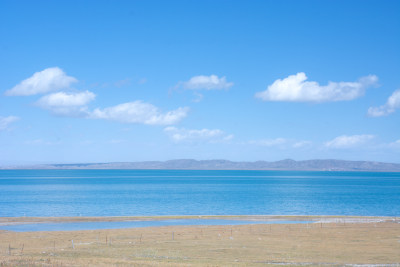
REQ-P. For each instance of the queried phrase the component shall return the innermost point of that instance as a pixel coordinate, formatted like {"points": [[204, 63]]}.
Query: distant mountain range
{"points": [[191, 164]]}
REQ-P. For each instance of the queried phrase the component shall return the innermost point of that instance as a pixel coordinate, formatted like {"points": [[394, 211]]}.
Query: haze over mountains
{"points": [[191, 164]]}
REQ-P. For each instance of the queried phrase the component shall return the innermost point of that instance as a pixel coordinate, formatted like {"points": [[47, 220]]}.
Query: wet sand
{"points": [[329, 241]]}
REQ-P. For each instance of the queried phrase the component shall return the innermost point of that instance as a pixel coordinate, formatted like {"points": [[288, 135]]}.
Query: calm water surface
{"points": [[171, 192]]}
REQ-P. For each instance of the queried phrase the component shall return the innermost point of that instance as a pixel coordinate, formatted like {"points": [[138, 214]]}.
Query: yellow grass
{"points": [[246, 245]]}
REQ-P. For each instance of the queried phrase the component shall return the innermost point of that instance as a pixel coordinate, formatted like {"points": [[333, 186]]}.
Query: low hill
{"points": [[191, 164]]}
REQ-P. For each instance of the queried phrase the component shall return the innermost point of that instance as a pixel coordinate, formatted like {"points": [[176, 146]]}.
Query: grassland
{"points": [[335, 242]]}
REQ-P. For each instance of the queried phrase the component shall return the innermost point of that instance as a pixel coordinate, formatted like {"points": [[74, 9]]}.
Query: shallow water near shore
{"points": [[47, 193], [74, 226]]}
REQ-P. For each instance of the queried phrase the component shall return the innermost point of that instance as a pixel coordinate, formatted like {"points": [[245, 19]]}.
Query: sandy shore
{"points": [[330, 241]]}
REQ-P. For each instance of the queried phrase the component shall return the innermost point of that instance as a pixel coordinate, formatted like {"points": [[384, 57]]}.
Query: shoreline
{"points": [[267, 218]]}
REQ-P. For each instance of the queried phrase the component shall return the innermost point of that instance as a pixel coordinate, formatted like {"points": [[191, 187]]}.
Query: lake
{"points": [[197, 192]]}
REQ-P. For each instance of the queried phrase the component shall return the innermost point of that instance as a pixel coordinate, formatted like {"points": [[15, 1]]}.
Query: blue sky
{"points": [[101, 81]]}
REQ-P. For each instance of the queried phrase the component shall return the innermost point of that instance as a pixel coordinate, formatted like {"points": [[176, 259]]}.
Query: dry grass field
{"points": [[328, 244]]}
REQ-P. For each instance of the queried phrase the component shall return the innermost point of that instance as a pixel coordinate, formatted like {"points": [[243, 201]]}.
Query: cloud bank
{"points": [[391, 105], [75, 104], [296, 88], [51, 79], [211, 82], [139, 112]]}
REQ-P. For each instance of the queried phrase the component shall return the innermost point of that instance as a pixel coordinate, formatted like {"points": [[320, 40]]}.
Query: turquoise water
{"points": [[171, 192]]}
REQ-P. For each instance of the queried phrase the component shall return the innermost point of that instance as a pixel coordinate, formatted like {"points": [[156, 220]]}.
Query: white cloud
{"points": [[116, 141], [295, 88], [6, 121], [395, 144], [345, 141], [211, 82], [139, 112], [391, 105], [182, 134], [62, 99], [282, 143], [67, 104], [142, 81], [198, 98], [42, 142], [268, 142], [123, 82], [74, 104], [301, 144], [51, 79], [87, 142]]}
